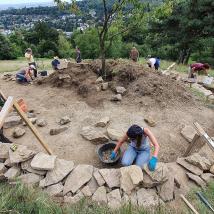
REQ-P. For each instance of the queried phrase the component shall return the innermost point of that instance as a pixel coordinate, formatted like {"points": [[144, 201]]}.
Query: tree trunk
{"points": [[186, 59], [103, 59]]}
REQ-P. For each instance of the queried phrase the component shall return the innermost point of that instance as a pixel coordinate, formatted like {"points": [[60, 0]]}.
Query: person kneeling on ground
{"points": [[55, 63], [197, 67], [138, 151], [25, 75], [154, 63]]}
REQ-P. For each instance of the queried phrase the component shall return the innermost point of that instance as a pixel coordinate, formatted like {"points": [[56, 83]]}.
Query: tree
{"points": [[65, 49], [118, 13]]}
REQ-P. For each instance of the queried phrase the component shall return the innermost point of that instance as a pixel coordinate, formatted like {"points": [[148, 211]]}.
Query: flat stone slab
{"points": [[21, 154], [54, 190], [27, 167], [30, 179], [42, 161], [191, 168], [73, 200], [147, 198], [12, 121], [4, 150], [79, 176], [86, 191], [114, 199], [61, 170], [100, 196], [12, 173], [99, 178], [160, 175], [199, 161], [207, 177], [115, 134], [188, 132], [131, 176], [3, 169], [111, 177], [93, 185], [94, 135], [196, 179]]}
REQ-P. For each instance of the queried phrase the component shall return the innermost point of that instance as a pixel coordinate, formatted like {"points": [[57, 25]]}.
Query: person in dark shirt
{"points": [[55, 63], [78, 55]]}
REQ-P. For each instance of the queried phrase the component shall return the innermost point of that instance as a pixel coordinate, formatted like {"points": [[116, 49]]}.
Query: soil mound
{"points": [[139, 81]]}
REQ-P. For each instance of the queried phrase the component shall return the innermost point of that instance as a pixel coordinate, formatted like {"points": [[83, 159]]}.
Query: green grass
{"points": [[15, 65]]}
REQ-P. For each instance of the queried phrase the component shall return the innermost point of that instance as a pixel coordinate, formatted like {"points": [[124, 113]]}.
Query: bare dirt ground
{"points": [[149, 94]]}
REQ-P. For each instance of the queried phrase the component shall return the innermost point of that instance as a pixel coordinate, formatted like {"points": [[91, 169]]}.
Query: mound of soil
{"points": [[139, 81]]}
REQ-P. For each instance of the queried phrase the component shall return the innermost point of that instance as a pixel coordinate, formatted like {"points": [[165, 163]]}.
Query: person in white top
{"points": [[30, 59], [151, 62]]}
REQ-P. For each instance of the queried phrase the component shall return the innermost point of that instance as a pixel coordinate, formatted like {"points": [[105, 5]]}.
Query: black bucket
{"points": [[43, 73], [108, 146]]}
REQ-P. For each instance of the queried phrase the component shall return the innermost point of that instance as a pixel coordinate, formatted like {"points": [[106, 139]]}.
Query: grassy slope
{"points": [[18, 199]]}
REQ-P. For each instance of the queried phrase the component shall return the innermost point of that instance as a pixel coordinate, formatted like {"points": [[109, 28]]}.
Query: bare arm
{"points": [[153, 140], [120, 142]]}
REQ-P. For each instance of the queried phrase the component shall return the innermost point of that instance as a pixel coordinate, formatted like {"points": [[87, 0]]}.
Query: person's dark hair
{"points": [[206, 66], [139, 140], [135, 132]]}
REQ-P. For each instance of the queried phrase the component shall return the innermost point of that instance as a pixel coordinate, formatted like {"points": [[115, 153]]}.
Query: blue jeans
{"points": [[133, 155], [21, 78]]}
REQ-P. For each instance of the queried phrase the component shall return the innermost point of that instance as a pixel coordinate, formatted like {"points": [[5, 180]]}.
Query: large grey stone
{"points": [[188, 132], [54, 190], [199, 161], [3, 169], [61, 170], [160, 175], [111, 177], [196, 179], [130, 177], [148, 182], [8, 164], [100, 196], [120, 90], [93, 185], [212, 169], [21, 154], [115, 134], [79, 176], [30, 179], [114, 199], [133, 198], [4, 150], [73, 200], [147, 198], [103, 122], [99, 178], [94, 135], [57, 131], [193, 169], [12, 121], [166, 190], [12, 173], [18, 132], [207, 177], [42, 161], [64, 120], [27, 167]]}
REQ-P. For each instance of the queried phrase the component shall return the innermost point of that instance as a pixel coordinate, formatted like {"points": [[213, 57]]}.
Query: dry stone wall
{"points": [[112, 187]]}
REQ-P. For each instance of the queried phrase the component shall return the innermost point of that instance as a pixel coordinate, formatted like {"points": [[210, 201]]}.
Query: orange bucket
{"points": [[22, 105]]}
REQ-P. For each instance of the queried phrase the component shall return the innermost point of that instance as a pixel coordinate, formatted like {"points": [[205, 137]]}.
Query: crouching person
{"points": [[138, 151], [25, 75]]}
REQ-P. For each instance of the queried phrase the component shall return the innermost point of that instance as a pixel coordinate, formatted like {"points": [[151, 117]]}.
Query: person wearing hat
{"points": [[25, 75], [30, 59], [55, 63], [138, 151]]}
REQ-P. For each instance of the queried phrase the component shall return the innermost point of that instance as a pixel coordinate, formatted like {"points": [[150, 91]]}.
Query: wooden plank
{"points": [[192, 145], [30, 125], [5, 110], [188, 204], [204, 135]]}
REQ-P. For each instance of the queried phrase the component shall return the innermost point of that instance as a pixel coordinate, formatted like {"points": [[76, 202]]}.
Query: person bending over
{"points": [[25, 75], [139, 149]]}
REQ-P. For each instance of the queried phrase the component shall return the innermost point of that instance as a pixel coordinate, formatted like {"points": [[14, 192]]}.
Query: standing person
{"points": [[134, 54], [30, 58], [196, 67], [55, 63], [78, 55], [25, 75], [138, 151]]}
